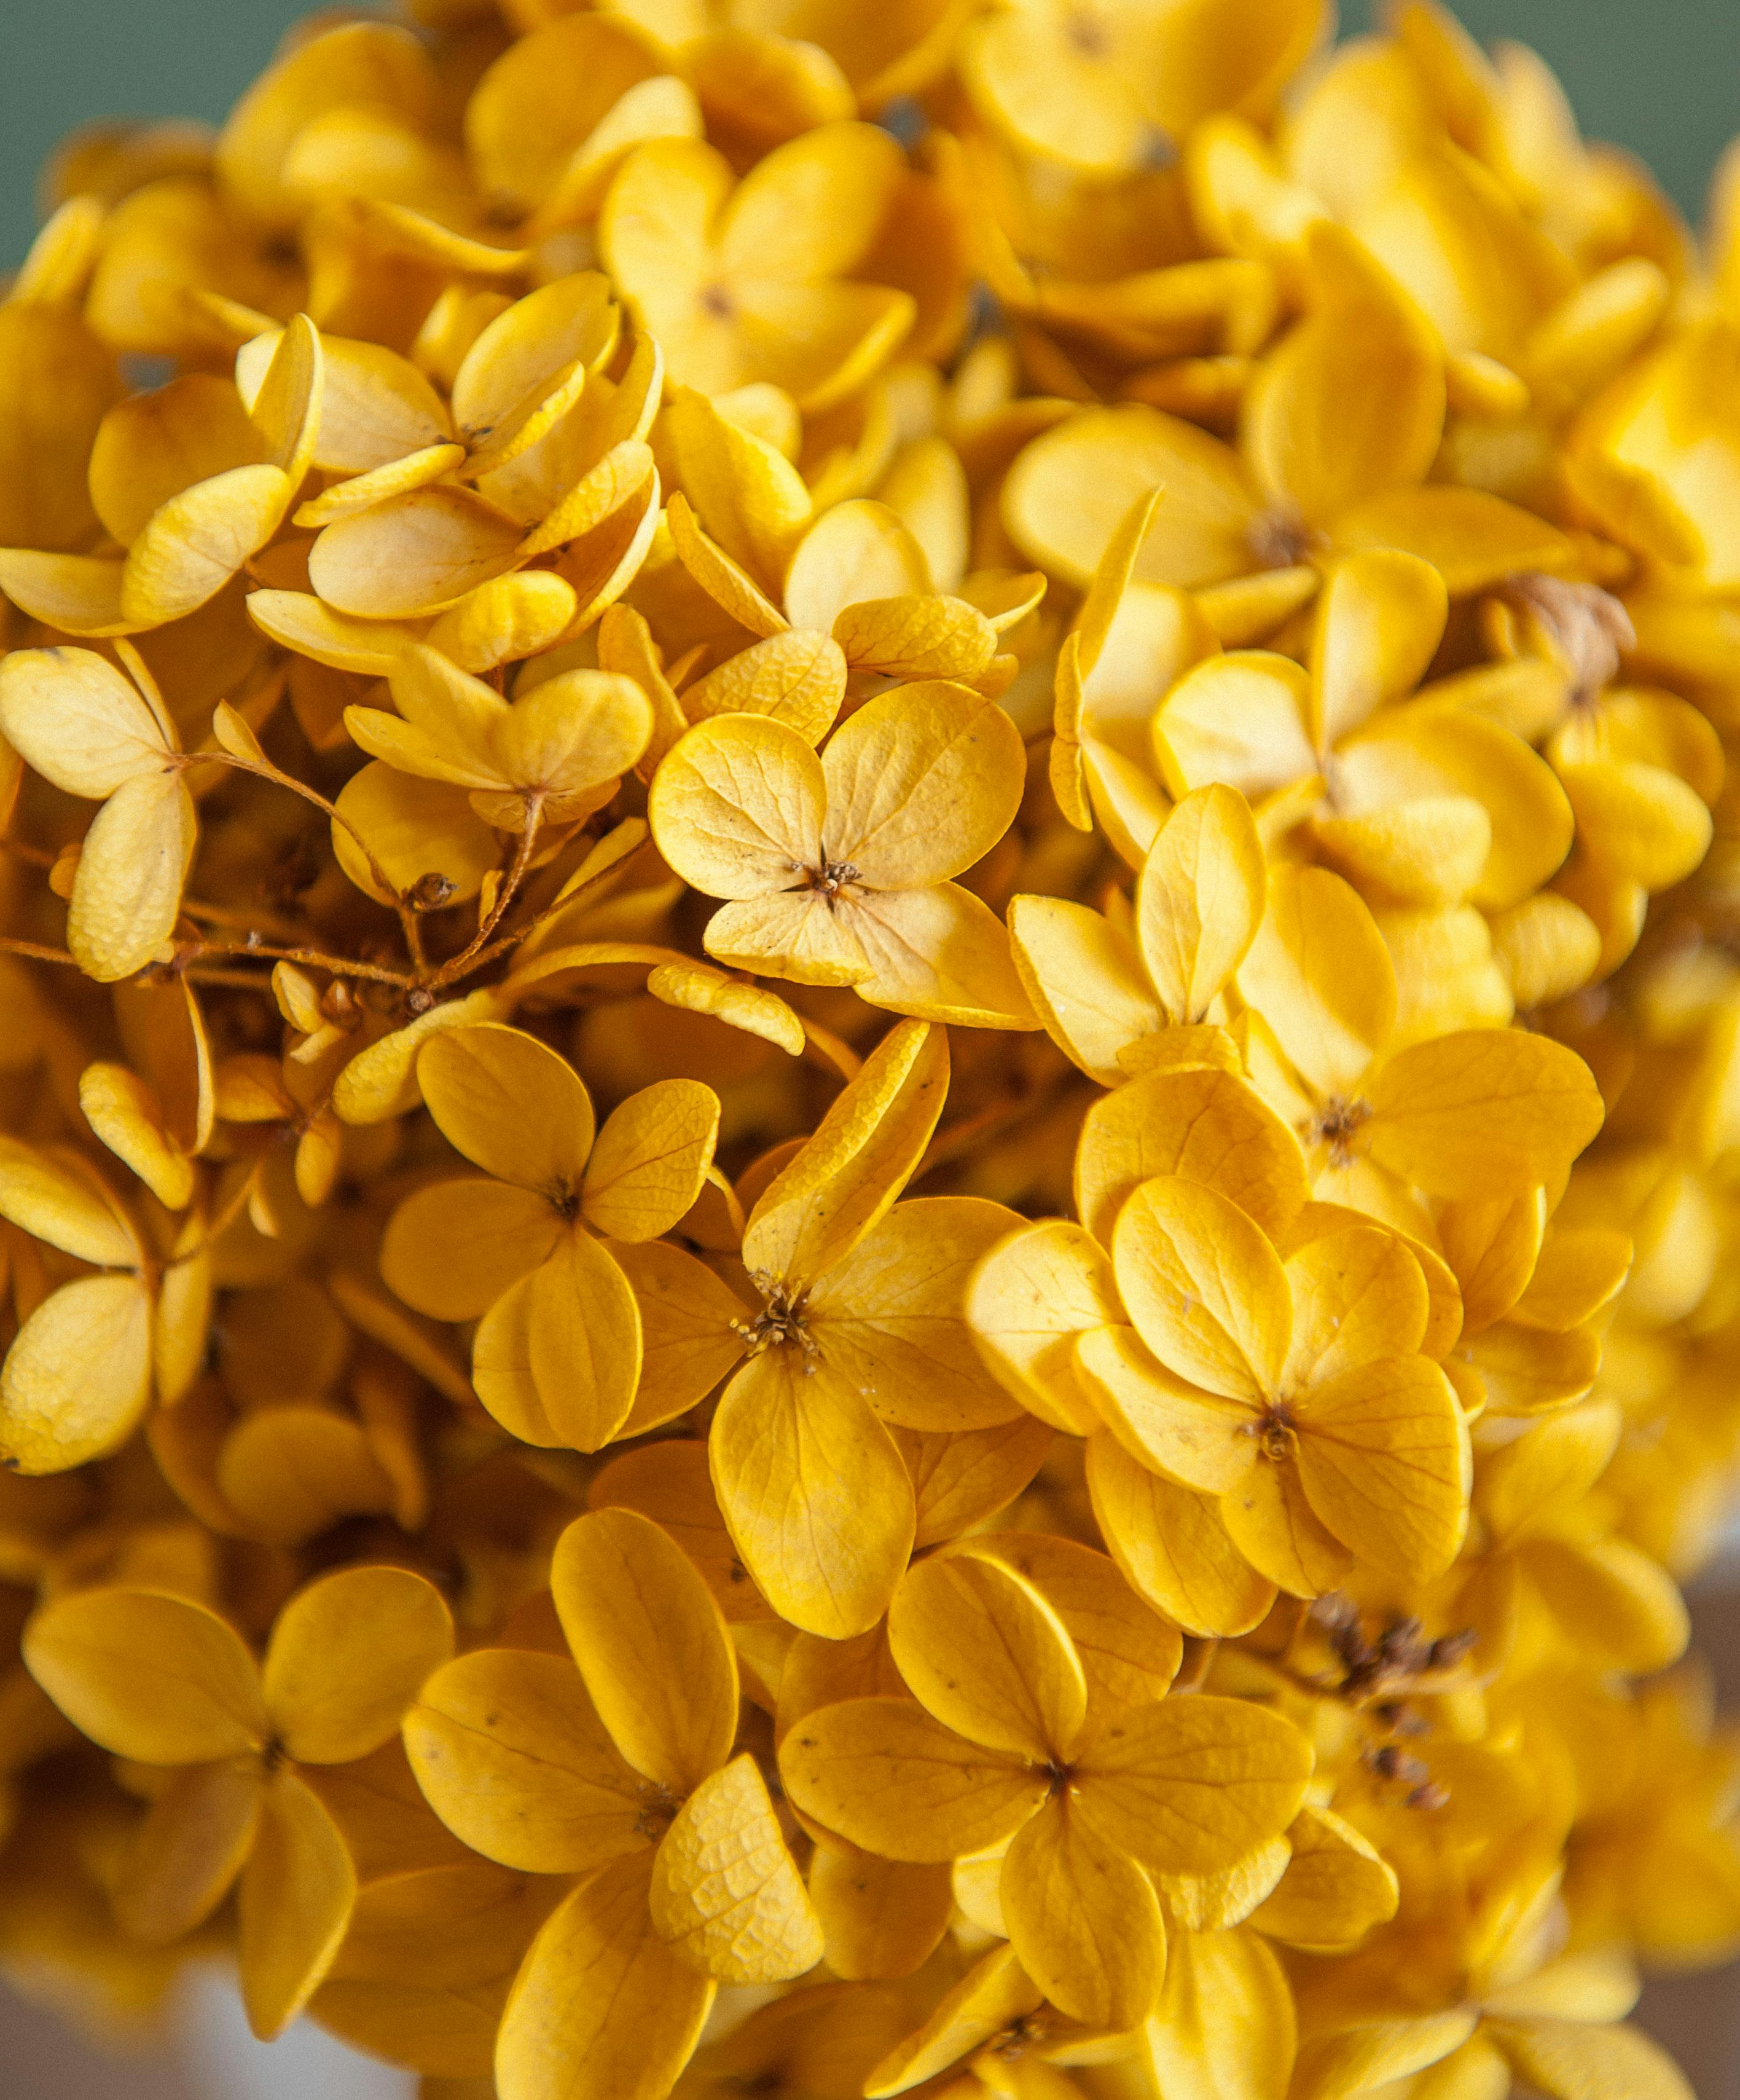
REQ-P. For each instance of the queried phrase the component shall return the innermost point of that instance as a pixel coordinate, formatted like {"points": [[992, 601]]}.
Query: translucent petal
{"points": [[650, 1644], [347, 1655], [148, 1675]]}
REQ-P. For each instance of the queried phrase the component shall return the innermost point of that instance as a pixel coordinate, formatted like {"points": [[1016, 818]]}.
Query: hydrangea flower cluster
{"points": [[870, 1095]]}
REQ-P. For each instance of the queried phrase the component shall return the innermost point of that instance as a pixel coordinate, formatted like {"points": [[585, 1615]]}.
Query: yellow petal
{"points": [[1224, 2028], [843, 1180], [1070, 490], [1205, 1126], [302, 624], [510, 1752], [798, 678], [754, 1009], [885, 1776], [1191, 1784], [347, 1657], [148, 1675], [888, 1318], [427, 1964], [1205, 1289], [1356, 1295], [1129, 1654], [983, 1652], [189, 1849], [689, 1343], [1028, 1300], [1241, 720], [1567, 2059], [1084, 1920], [1316, 434], [921, 783], [505, 621], [797, 934], [1384, 1461], [994, 1994], [126, 895], [296, 1891], [45, 1197], [419, 832], [1200, 899], [72, 716], [1378, 623], [737, 807], [556, 1358], [1196, 1439], [77, 1377], [291, 1472], [916, 636], [1482, 1112], [418, 553], [858, 550], [650, 1644], [601, 2009], [938, 954], [1319, 975], [813, 1488], [1084, 979], [1270, 1520], [650, 1160], [880, 1918], [512, 1106], [286, 410], [1472, 539], [1336, 1888], [1355, 2058], [725, 1895], [1173, 1546], [197, 540], [1611, 1599], [669, 1483]]}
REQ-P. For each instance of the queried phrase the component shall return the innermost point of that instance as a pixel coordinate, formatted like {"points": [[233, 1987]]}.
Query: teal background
{"points": [[1661, 76]]}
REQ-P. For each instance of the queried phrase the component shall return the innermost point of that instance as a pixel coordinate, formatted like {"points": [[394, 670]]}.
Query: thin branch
{"points": [[244, 922], [36, 856], [471, 956], [237, 980], [36, 952], [338, 966]]}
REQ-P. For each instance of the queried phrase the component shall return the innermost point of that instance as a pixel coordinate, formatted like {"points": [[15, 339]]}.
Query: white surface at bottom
{"points": [[205, 2052]]}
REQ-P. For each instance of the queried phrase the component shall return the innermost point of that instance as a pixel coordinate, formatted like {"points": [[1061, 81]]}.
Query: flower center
{"points": [[1338, 1125], [1086, 34], [719, 302], [1276, 1427], [780, 1322], [1589, 627], [658, 1812], [1278, 539], [830, 878]]}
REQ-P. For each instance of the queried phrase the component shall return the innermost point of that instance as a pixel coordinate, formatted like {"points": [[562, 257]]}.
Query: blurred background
{"points": [[1663, 79]]}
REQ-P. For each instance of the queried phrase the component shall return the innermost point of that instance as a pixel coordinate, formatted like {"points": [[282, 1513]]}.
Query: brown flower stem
{"points": [[477, 949], [338, 966], [35, 951], [20, 849]]}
